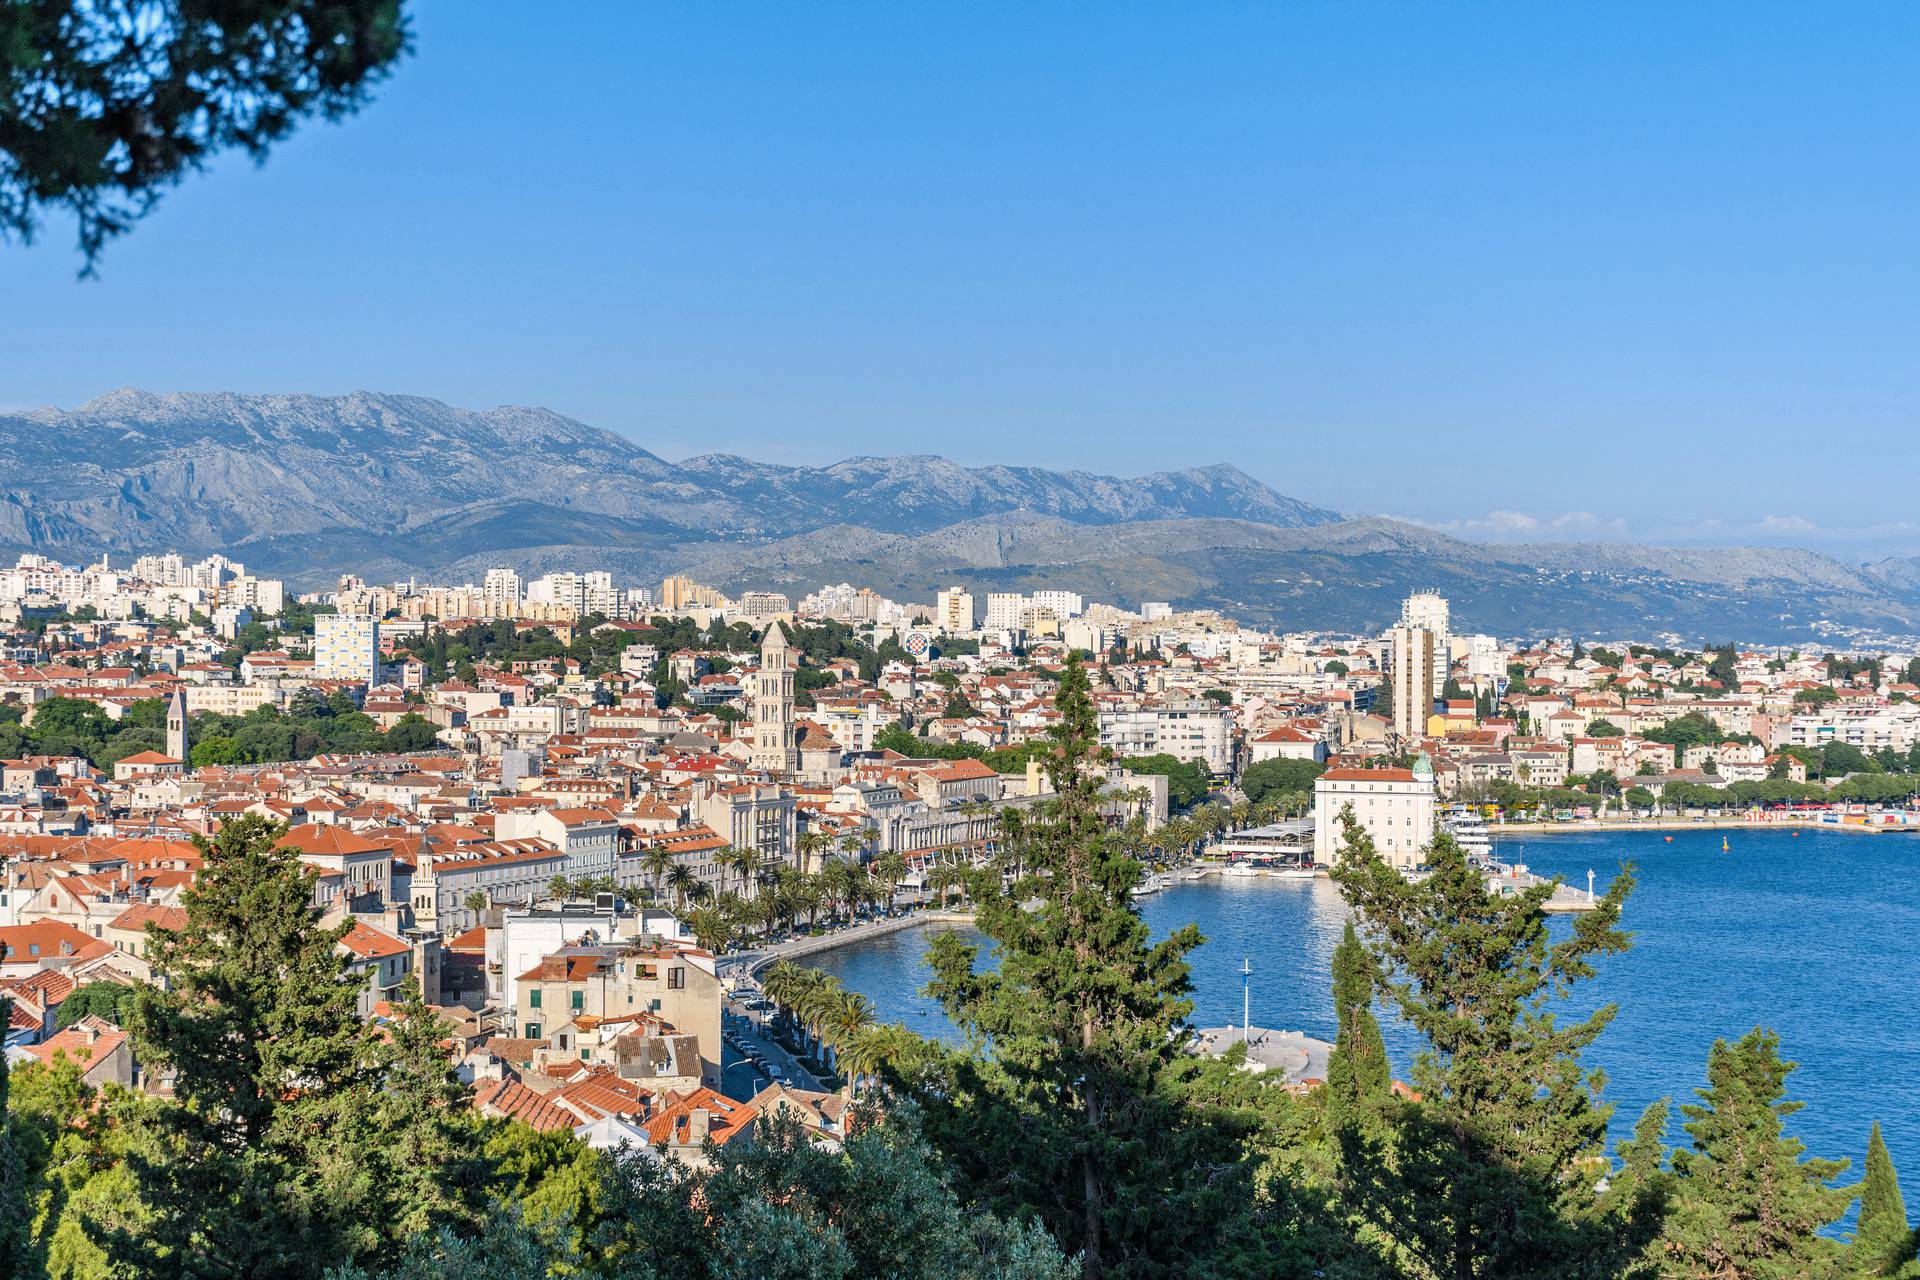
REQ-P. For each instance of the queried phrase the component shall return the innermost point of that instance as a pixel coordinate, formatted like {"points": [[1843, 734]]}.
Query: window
{"points": [[533, 998], [579, 1001], [676, 979], [533, 1031]]}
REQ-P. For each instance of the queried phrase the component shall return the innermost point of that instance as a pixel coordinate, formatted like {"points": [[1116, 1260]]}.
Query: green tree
{"points": [[424, 1135], [1746, 1205], [1186, 779], [102, 114], [1493, 1174], [1358, 1075], [113, 1001], [1883, 1240], [1269, 777], [1076, 1113], [16, 1207], [272, 1074]]}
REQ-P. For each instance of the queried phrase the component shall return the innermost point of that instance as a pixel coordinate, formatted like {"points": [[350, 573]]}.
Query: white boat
{"points": [[1146, 888], [1292, 873], [1469, 831], [1241, 869]]}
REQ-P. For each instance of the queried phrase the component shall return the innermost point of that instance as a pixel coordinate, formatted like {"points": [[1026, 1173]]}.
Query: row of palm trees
{"points": [[833, 1023], [755, 896]]}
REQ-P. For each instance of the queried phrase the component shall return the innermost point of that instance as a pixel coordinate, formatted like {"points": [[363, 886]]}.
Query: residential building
{"points": [[346, 646], [1395, 806]]}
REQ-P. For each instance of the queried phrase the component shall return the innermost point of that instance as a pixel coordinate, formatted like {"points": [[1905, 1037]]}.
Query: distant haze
{"points": [[391, 486]]}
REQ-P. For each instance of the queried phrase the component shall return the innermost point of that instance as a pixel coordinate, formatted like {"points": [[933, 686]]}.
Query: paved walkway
{"points": [[750, 963]]}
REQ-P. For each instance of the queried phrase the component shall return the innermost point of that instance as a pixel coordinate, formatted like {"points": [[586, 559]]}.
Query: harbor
{"points": [[1699, 967]]}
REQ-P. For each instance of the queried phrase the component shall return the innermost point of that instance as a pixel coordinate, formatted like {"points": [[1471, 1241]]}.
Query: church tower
{"points": [[774, 746], [177, 726]]}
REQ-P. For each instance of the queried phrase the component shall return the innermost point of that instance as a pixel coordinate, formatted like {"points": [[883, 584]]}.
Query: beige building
{"points": [[583, 987], [774, 746], [1394, 805], [1410, 666], [953, 611]]}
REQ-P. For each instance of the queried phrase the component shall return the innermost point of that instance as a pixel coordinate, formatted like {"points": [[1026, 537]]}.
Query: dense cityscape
{"points": [[932, 642], [562, 846]]}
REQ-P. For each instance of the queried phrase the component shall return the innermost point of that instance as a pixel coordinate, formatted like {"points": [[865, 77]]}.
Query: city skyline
{"points": [[1588, 242]]}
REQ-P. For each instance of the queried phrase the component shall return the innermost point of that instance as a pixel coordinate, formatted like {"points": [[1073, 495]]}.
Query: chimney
{"points": [[698, 1122]]}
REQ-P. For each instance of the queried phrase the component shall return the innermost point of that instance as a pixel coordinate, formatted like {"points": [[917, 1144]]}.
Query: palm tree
{"points": [[810, 845], [476, 902], [656, 862], [853, 845], [559, 887], [741, 859], [684, 884], [890, 868], [848, 1017]]}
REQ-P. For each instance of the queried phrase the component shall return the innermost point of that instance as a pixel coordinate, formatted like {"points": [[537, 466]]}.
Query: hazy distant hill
{"points": [[389, 485]]}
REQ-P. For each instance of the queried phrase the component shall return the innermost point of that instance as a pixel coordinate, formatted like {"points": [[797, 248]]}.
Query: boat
{"points": [[1241, 870], [1293, 873], [1469, 831], [1146, 888]]}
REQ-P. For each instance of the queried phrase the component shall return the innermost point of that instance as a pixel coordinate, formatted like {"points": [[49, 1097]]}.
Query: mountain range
{"points": [[391, 486]]}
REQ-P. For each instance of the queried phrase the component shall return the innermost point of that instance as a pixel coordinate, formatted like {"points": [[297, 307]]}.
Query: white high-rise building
{"points": [[1065, 604], [953, 611], [501, 587], [346, 646], [1428, 611], [1004, 609]]}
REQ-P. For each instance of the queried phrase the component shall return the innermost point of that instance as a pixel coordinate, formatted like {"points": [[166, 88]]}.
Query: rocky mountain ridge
{"points": [[389, 486]]}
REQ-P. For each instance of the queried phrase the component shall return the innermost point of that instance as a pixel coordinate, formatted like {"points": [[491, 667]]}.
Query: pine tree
{"points": [[272, 1072], [1494, 1172], [16, 1208], [1358, 1074], [1071, 1106], [1883, 1241], [427, 1137], [1746, 1206]]}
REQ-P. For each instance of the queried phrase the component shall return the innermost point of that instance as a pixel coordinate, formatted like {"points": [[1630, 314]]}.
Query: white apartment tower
{"points": [[501, 587], [774, 742], [1428, 611], [953, 611], [1004, 609], [346, 646]]}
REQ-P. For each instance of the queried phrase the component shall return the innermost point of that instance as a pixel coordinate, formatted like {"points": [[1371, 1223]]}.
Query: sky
{"points": [[1515, 271]]}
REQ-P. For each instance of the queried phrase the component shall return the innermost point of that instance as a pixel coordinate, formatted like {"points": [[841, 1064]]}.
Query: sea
{"points": [[1815, 935]]}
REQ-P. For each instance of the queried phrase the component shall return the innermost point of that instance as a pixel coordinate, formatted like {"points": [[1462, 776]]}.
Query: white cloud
{"points": [[1524, 526]]}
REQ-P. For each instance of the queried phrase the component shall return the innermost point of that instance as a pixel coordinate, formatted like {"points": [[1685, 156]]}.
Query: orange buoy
{"points": [[1669, 839]]}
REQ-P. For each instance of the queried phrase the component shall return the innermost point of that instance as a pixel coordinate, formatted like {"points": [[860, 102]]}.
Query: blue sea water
{"points": [[1816, 936]]}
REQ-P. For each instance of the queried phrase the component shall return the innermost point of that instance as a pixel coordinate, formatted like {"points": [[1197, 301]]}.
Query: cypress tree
{"points": [[266, 1174], [1358, 1074], [1746, 1205], [1883, 1241]]}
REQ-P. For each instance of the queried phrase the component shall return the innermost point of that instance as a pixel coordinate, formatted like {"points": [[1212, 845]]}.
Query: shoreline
{"points": [[1708, 824]]}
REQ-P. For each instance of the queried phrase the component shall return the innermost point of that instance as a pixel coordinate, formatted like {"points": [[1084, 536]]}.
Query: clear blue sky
{"points": [[1565, 270]]}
